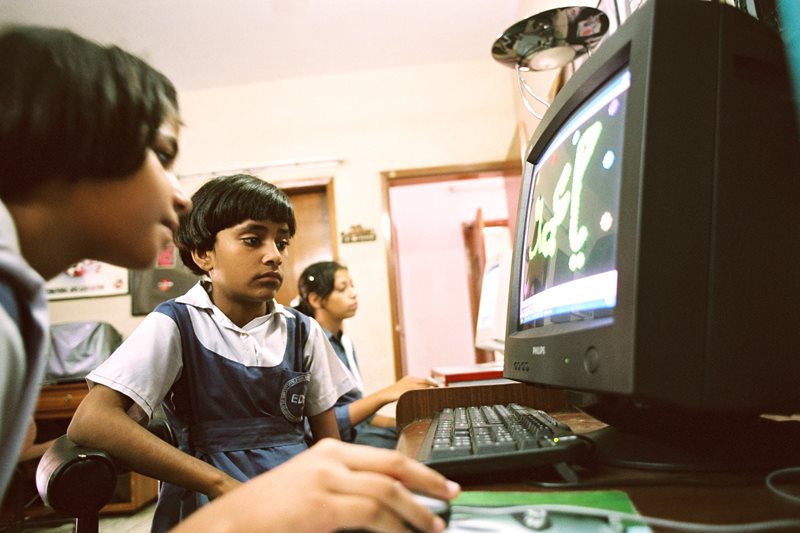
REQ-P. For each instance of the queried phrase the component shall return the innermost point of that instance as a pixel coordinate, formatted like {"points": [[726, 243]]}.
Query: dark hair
{"points": [[317, 278], [224, 202], [71, 108]]}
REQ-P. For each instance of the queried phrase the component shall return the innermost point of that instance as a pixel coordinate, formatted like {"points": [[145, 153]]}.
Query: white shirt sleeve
{"points": [[145, 366], [12, 379], [12, 376], [329, 378]]}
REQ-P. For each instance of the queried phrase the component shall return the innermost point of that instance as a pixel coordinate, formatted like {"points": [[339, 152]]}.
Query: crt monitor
{"points": [[490, 331], [652, 276]]}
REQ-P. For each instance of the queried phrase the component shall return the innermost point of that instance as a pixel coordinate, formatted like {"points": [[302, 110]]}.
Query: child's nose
{"points": [[272, 255], [180, 200]]}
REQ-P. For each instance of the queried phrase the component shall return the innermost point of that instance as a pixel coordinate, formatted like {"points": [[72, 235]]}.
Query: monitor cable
{"points": [[776, 475]]}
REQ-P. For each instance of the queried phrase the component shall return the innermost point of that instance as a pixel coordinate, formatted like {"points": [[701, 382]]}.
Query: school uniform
{"points": [[24, 345], [363, 432], [236, 397]]}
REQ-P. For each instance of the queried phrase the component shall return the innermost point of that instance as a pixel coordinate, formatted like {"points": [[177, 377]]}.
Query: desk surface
{"points": [[714, 498]]}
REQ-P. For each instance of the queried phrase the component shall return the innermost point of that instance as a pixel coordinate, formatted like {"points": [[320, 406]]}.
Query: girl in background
{"points": [[327, 293]]}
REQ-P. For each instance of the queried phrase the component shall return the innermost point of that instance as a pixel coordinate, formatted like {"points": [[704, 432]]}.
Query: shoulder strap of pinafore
{"points": [[298, 337], [179, 313]]}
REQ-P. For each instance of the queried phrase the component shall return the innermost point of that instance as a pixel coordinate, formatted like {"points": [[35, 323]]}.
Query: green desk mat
{"points": [[612, 500]]}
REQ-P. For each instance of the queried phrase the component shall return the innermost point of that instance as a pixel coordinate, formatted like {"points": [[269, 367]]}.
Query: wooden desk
{"points": [[714, 498], [55, 407]]}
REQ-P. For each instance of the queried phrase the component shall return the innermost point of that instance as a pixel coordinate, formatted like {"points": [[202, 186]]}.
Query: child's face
{"points": [[342, 302], [131, 219], [246, 263]]}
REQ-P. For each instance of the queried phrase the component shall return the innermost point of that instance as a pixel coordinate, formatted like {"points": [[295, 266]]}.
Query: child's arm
{"points": [[101, 421], [324, 425], [363, 408], [29, 449]]}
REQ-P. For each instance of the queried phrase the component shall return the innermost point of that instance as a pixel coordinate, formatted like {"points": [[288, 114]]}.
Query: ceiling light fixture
{"points": [[546, 41]]}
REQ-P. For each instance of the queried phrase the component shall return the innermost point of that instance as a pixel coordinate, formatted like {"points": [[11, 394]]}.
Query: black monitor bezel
{"points": [[634, 349]]}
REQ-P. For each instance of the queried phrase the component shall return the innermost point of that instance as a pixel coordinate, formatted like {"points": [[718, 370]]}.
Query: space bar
{"points": [[443, 452]]}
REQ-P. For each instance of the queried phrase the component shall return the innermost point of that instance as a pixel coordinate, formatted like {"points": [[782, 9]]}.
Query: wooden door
{"points": [[315, 239]]}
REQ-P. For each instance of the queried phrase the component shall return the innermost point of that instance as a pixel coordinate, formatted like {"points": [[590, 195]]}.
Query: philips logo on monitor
{"points": [[538, 350]]}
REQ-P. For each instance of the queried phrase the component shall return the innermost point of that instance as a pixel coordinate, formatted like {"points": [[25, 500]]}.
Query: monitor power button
{"points": [[591, 360]]}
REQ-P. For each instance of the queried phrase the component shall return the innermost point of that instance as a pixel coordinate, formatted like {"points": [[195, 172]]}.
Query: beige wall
{"points": [[443, 114]]}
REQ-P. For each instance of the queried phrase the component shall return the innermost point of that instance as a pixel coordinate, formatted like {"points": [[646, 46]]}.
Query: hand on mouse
{"points": [[334, 485]]}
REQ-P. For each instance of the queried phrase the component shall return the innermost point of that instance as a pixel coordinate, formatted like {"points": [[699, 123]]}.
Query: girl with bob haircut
{"points": [[236, 372]]}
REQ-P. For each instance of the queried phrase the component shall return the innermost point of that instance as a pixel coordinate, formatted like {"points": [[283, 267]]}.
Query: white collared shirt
{"points": [[149, 362]]}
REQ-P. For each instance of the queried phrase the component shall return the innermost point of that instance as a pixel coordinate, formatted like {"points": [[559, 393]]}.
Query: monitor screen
{"points": [[569, 268]]}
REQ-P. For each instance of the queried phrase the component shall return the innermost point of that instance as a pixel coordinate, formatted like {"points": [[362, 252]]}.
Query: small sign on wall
{"points": [[168, 279], [358, 233], [88, 279]]}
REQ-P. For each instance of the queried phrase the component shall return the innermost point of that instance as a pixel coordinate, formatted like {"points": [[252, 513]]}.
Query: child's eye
{"points": [[164, 158], [252, 241], [282, 245]]}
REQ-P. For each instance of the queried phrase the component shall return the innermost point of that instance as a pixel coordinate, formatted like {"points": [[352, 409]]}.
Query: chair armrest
{"points": [[73, 480], [77, 481]]}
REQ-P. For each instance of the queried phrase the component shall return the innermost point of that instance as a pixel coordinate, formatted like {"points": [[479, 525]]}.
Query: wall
{"points": [[445, 114]]}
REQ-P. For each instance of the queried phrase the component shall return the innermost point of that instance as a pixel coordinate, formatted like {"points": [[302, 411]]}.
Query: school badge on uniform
{"points": [[293, 397]]}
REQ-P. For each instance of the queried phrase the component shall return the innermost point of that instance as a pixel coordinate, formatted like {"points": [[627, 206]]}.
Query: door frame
{"points": [[416, 176]]}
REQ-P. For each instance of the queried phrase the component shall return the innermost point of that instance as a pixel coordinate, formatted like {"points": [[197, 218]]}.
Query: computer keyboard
{"points": [[465, 441]]}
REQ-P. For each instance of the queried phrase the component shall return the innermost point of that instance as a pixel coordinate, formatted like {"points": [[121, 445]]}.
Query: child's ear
{"points": [[315, 301], [202, 259]]}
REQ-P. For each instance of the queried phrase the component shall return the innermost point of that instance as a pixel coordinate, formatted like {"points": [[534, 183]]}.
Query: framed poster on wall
{"points": [[169, 278], [88, 279]]}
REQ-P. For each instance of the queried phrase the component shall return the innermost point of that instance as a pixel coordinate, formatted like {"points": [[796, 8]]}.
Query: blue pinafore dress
{"points": [[242, 420]]}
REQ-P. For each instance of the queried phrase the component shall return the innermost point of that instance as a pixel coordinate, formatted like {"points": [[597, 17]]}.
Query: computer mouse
{"points": [[438, 507]]}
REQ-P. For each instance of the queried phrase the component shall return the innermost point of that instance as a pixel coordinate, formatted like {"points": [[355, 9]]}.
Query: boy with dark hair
{"points": [[236, 371], [88, 134]]}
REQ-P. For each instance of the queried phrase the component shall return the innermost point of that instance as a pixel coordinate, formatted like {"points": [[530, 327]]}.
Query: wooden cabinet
{"points": [[59, 401], [55, 408]]}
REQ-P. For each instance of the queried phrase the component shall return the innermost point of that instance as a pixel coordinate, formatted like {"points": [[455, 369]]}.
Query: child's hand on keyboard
{"points": [[405, 384]]}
